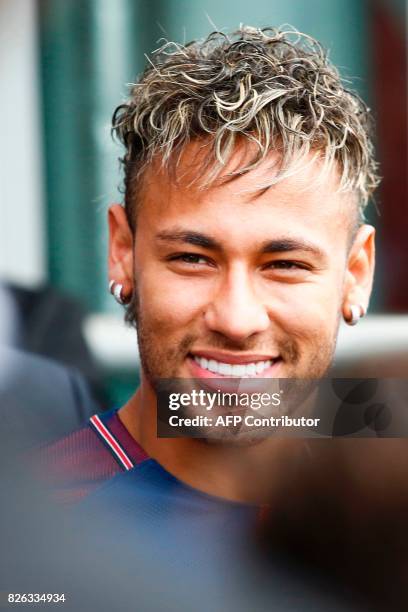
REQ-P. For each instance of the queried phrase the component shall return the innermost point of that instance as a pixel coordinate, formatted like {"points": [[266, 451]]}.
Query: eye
{"points": [[285, 265], [190, 258]]}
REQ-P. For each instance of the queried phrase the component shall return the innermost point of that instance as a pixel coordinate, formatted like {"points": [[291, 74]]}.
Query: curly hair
{"points": [[272, 87]]}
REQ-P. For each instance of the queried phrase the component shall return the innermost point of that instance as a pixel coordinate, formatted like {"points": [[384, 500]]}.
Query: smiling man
{"points": [[241, 243]]}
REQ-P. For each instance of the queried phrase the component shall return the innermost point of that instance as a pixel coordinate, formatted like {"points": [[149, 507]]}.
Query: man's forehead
{"points": [[307, 190]]}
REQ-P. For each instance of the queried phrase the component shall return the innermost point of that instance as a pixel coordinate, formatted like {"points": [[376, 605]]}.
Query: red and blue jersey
{"points": [[82, 461], [102, 456]]}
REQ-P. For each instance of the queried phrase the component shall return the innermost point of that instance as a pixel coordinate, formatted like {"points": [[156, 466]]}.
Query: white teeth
{"points": [[212, 366], [238, 370], [250, 369], [225, 369], [260, 367], [228, 369]]}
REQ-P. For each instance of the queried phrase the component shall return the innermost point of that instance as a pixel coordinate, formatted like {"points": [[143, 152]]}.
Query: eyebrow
{"points": [[277, 245], [189, 237], [284, 245]]}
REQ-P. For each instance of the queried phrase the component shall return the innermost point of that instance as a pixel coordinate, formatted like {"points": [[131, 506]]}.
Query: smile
{"points": [[241, 370]]}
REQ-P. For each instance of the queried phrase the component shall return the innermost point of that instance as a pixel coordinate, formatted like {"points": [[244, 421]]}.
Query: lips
{"points": [[232, 366], [228, 369]]}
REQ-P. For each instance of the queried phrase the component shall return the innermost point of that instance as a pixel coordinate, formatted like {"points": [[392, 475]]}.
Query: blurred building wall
{"points": [[388, 32], [22, 214]]}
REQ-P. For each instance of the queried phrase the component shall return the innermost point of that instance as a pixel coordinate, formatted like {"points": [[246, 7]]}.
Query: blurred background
{"points": [[64, 67]]}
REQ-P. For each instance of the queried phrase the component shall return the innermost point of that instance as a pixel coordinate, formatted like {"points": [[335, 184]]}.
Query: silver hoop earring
{"points": [[356, 314], [116, 290]]}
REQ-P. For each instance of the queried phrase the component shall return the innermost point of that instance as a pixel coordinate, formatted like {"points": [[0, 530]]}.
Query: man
{"points": [[241, 243], [240, 247]]}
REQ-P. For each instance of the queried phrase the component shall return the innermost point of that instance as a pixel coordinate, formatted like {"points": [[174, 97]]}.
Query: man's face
{"points": [[230, 284]]}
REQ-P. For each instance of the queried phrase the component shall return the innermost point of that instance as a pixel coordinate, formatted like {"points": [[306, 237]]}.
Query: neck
{"points": [[222, 470]]}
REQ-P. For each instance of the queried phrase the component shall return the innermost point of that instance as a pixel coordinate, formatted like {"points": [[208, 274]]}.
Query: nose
{"points": [[236, 311]]}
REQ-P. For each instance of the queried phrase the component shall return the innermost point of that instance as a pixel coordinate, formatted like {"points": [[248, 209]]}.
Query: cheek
{"points": [[306, 309], [169, 301]]}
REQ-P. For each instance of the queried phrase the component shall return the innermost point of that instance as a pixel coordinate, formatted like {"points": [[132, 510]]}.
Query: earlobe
{"points": [[116, 289], [120, 250], [359, 275], [352, 313]]}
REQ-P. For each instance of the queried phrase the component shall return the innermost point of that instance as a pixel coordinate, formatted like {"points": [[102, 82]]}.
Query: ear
{"points": [[120, 262], [360, 271]]}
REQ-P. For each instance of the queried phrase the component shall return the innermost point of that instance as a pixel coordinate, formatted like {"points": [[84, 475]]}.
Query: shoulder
{"points": [[79, 463], [40, 400]]}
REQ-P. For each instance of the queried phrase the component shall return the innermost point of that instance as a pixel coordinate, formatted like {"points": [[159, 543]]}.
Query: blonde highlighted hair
{"points": [[273, 88]]}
